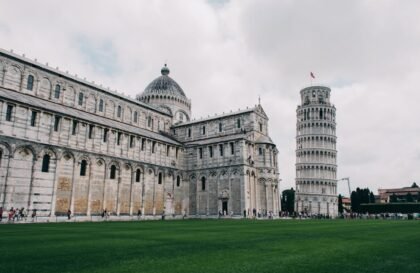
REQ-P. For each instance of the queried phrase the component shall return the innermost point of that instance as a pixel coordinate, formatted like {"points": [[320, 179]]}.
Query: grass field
{"points": [[212, 246]]}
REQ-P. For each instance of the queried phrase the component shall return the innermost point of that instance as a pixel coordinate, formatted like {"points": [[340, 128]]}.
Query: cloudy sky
{"points": [[225, 54]]}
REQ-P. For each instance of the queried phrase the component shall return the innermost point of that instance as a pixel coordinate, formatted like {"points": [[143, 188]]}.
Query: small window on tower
{"points": [[80, 99], [138, 173], [101, 105], [83, 166], [119, 110], [30, 82], [57, 91], [91, 126], [56, 123], [113, 172], [135, 117], [131, 141]]}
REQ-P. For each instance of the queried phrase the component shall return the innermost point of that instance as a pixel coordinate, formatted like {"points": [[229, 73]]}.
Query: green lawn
{"points": [[212, 246]]}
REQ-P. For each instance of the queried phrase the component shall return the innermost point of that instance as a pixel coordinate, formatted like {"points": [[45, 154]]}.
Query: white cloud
{"points": [[226, 53]]}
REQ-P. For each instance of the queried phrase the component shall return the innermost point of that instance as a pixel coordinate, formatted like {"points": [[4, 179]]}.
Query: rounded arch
{"points": [[4, 146], [27, 147], [84, 157]]}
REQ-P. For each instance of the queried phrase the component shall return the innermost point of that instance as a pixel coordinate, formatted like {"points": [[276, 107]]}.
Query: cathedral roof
{"points": [[164, 85], [264, 140]]}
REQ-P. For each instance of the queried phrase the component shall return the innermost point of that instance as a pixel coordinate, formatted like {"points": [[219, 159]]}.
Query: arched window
{"points": [[119, 111], [30, 83], [112, 175], [220, 127], [83, 166], [138, 173], [57, 91], [160, 178], [320, 114], [80, 98], [135, 117], [203, 183], [238, 123], [178, 181], [101, 105], [149, 121], [45, 163]]}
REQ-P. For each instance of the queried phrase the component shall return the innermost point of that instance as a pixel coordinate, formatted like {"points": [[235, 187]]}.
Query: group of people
{"points": [[16, 214], [261, 213]]}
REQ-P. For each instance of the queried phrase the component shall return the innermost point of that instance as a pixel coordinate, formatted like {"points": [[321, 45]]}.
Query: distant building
{"points": [[346, 204], [401, 194]]}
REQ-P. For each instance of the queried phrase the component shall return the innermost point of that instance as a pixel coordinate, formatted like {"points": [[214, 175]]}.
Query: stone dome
{"points": [[164, 85]]}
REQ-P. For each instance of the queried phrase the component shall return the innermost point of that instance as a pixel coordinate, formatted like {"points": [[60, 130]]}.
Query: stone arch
{"points": [[97, 183], [109, 108], [91, 102], [18, 189], [44, 89], [124, 188], [13, 77], [69, 96], [4, 164], [127, 114], [64, 182]]}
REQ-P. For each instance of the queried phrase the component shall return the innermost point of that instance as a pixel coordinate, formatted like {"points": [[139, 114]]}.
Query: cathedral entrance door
{"points": [[225, 207]]}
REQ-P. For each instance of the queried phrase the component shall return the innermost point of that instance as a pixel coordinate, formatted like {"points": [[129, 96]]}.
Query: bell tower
{"points": [[316, 153]]}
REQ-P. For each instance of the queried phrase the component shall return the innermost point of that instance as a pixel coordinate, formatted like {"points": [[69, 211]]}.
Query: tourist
{"points": [[11, 214], [139, 214], [34, 215], [69, 214], [22, 213], [16, 215], [1, 213]]}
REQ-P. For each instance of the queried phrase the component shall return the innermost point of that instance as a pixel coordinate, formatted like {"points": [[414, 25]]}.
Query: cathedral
{"points": [[69, 144]]}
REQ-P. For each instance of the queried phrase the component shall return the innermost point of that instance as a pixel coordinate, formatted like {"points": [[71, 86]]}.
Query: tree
{"points": [[355, 201], [288, 200], [361, 196], [340, 204], [371, 198], [414, 185], [409, 198], [393, 198]]}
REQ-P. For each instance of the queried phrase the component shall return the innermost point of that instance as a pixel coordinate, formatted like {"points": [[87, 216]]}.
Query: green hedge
{"points": [[390, 208]]}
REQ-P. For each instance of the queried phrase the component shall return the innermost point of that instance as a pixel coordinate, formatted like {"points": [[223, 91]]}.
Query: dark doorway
{"points": [[225, 207]]}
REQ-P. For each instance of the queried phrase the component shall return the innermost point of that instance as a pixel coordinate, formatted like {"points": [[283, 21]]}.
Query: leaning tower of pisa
{"points": [[316, 154]]}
